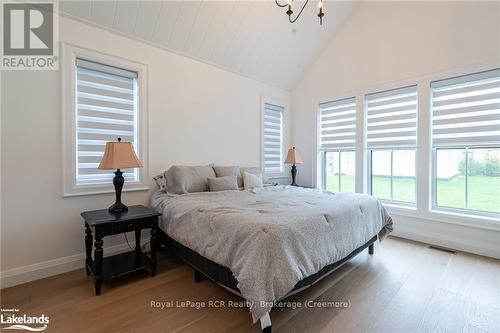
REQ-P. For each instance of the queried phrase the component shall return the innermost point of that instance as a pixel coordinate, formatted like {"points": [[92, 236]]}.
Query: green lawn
{"points": [[403, 188], [347, 183], [484, 192]]}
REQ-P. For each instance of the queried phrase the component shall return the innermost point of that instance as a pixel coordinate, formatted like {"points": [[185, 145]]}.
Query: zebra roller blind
{"points": [[338, 124], [273, 138], [466, 110], [106, 109], [391, 118]]}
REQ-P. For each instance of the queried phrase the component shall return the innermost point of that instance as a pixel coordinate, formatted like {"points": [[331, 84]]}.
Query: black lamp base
{"points": [[118, 207], [294, 174], [118, 181]]}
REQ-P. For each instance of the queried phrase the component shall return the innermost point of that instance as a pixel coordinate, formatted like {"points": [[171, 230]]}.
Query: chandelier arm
{"points": [[276, 1], [295, 19]]}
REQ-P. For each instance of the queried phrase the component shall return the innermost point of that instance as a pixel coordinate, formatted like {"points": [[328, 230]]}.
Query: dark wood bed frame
{"points": [[223, 276]]}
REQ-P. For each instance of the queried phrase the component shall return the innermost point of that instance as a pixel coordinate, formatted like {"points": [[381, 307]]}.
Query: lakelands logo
{"points": [[29, 38], [12, 320]]}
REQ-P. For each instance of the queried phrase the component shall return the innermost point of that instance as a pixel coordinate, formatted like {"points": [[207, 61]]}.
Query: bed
{"points": [[265, 244]]}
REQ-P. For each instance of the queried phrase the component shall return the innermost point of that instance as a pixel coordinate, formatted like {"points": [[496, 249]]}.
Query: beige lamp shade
{"points": [[293, 157], [119, 155]]}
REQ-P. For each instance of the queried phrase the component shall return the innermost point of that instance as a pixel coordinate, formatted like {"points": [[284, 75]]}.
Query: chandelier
{"points": [[289, 12]]}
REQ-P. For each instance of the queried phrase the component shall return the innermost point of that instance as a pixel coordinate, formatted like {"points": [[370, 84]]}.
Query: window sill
{"points": [[470, 220], [276, 175], [107, 190], [399, 206], [467, 220]]}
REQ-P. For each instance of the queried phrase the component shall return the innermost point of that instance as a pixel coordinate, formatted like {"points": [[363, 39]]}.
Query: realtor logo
{"points": [[11, 319], [29, 36]]}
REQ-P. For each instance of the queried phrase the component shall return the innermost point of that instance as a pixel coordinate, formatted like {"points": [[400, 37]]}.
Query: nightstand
{"points": [[102, 223]]}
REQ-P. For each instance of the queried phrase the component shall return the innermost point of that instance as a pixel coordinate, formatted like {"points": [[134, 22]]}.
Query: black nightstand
{"points": [[105, 224]]}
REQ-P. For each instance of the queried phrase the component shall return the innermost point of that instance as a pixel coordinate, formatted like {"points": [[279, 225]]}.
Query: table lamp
{"points": [[293, 158], [119, 155]]}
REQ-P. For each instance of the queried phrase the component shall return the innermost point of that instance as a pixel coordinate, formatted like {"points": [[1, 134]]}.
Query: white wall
{"points": [[386, 44], [198, 114]]}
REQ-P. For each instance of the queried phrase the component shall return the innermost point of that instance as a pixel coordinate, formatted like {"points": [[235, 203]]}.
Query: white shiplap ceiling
{"points": [[251, 38]]}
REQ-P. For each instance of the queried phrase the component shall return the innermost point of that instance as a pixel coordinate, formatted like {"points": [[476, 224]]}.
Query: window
{"points": [[104, 98], [106, 108], [337, 144], [273, 138], [466, 142], [391, 143]]}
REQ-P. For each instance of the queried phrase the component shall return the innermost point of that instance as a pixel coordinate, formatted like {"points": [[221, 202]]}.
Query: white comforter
{"points": [[273, 237]]}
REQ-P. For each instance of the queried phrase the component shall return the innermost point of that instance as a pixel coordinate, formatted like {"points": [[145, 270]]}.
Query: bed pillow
{"points": [[225, 183], [224, 171], [182, 179], [252, 170], [251, 180]]}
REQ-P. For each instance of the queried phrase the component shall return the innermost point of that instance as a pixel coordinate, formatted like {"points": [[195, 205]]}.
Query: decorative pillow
{"points": [[252, 170], [160, 181], [223, 171], [182, 179], [223, 183], [251, 180]]}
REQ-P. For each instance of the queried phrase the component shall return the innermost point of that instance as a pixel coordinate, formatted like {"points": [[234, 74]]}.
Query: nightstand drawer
{"points": [[126, 226]]}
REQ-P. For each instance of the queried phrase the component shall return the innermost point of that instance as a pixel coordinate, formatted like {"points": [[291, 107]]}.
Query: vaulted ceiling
{"points": [[251, 38]]}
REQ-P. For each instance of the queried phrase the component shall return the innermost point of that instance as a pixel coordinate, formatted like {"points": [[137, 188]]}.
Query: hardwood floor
{"points": [[405, 287]]}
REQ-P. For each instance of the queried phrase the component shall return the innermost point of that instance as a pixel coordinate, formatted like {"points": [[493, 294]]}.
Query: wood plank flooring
{"points": [[405, 287]]}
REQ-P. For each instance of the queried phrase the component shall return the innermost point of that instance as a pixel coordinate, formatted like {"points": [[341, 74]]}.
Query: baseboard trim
{"points": [[447, 242], [28, 273]]}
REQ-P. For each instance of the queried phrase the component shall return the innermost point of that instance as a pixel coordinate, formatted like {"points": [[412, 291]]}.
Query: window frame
{"points": [[433, 188], [453, 77], [369, 151], [68, 101], [278, 102], [320, 160], [370, 176]]}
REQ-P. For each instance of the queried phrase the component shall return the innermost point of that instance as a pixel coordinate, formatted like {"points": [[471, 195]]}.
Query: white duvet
{"points": [[273, 237]]}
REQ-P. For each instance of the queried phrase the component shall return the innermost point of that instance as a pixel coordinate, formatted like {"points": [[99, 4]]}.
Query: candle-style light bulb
{"points": [[321, 14]]}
